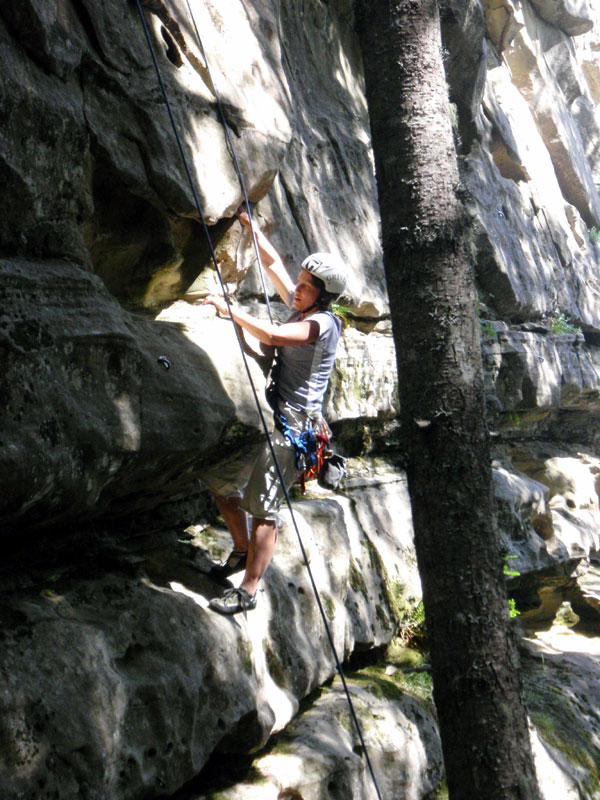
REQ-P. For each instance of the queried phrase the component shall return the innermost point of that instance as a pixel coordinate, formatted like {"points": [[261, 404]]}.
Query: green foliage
{"points": [[401, 655], [416, 616], [594, 235], [412, 630], [506, 569], [414, 681], [512, 606], [342, 311], [560, 323], [419, 683], [488, 330]]}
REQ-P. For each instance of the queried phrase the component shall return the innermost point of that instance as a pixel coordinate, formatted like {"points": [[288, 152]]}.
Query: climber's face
{"points": [[306, 293]]}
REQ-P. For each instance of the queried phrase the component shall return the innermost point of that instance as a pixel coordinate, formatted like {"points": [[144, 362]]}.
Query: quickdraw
{"points": [[311, 447]]}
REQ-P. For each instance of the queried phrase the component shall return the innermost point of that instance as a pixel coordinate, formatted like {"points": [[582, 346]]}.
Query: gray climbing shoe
{"points": [[232, 601]]}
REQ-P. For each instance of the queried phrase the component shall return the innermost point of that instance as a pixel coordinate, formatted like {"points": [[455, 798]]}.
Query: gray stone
{"points": [[114, 136], [531, 377], [118, 681], [588, 584], [88, 418], [571, 16], [561, 674], [121, 681], [502, 23], [319, 755]]}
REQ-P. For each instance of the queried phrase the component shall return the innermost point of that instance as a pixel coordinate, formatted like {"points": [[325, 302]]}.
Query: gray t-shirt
{"points": [[305, 369]]}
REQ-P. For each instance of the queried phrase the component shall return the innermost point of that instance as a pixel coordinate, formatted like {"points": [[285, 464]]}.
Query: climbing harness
{"points": [[309, 445], [314, 459], [304, 443], [244, 357]]}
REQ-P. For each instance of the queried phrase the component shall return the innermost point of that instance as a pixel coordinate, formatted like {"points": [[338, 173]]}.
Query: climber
{"points": [[306, 344]]}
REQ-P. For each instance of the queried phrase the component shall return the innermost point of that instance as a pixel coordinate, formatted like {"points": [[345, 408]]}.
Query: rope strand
{"points": [[234, 158], [253, 388]]}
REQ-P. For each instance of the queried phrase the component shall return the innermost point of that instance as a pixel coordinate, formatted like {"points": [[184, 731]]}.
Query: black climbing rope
{"points": [[233, 155], [245, 360]]}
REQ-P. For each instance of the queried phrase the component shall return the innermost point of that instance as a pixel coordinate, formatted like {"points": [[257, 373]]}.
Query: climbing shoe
{"points": [[232, 601], [236, 562]]}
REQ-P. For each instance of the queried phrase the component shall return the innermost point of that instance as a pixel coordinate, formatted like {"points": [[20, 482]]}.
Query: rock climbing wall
{"points": [[117, 387]]}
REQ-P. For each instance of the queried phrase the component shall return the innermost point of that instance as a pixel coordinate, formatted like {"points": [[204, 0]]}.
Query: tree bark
{"points": [[477, 688]]}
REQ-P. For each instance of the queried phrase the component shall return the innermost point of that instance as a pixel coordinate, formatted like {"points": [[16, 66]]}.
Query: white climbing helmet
{"points": [[329, 268]]}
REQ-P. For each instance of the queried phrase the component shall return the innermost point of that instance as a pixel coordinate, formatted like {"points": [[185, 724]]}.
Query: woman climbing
{"points": [[306, 344]]}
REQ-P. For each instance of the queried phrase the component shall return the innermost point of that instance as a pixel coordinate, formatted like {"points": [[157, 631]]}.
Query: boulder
{"points": [[535, 380], [320, 755], [548, 520], [152, 682], [574, 17], [541, 524], [560, 671], [91, 397]]}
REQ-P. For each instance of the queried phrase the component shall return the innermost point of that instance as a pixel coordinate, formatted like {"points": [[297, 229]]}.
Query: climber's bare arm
{"points": [[271, 260], [290, 333]]}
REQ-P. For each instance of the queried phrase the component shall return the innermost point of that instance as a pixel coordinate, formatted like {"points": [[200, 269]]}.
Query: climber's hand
{"points": [[243, 217], [222, 309]]}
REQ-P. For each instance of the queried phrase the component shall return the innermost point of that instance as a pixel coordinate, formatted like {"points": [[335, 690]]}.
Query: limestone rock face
{"points": [[95, 176], [534, 188], [122, 202], [565, 744], [118, 681], [87, 396], [549, 505], [322, 743], [537, 377], [117, 387], [93, 75], [571, 16]]}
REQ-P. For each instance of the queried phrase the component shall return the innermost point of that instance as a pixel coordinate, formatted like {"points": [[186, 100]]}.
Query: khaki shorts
{"points": [[253, 476]]}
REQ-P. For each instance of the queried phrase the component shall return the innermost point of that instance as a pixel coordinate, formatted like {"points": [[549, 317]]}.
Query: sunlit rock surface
{"points": [[318, 755], [117, 387], [571, 16], [118, 681], [549, 524], [561, 671]]}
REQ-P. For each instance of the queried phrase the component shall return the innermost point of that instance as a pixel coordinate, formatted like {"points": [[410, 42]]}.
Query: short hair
{"points": [[325, 297]]}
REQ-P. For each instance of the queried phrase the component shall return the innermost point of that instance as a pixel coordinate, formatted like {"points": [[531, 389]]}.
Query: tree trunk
{"points": [[477, 687]]}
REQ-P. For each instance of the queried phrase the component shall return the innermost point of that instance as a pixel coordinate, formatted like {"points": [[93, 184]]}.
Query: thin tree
{"points": [[477, 688]]}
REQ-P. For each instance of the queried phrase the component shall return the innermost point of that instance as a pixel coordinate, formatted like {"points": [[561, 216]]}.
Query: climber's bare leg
{"points": [[235, 519], [262, 546]]}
